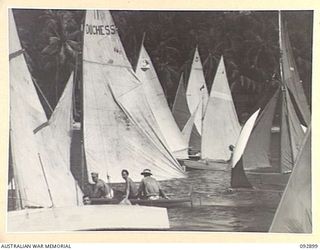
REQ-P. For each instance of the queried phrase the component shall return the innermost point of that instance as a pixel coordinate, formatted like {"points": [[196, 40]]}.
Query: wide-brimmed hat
{"points": [[146, 172], [94, 174]]}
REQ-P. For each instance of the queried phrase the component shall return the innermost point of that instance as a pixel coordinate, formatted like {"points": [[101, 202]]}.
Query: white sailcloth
{"points": [[41, 175], [61, 121], [159, 106], [120, 131], [221, 127], [187, 129], [294, 213], [197, 91], [243, 138]]}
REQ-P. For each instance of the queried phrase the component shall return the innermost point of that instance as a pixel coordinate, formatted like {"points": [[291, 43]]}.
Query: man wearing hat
{"points": [[100, 188], [149, 187]]}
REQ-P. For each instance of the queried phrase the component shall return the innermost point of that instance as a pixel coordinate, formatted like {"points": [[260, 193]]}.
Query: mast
{"points": [[83, 159], [283, 91]]}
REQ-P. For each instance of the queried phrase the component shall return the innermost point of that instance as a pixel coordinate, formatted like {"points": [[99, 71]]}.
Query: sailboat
{"points": [[119, 128], [294, 213], [48, 198], [257, 153], [159, 106], [197, 95], [221, 126]]}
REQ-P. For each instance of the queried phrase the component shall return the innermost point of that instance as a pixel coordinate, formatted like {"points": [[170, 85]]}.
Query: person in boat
{"points": [[86, 200], [100, 188], [150, 188], [231, 148], [130, 191]]}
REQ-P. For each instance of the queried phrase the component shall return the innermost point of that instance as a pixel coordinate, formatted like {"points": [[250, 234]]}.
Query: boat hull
{"points": [[86, 218], [155, 203]]}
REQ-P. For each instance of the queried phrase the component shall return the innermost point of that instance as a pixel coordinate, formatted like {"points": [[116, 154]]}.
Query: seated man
{"points": [[100, 188], [149, 187], [130, 191]]}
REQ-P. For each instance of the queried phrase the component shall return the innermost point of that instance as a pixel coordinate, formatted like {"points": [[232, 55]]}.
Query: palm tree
{"points": [[62, 34]]}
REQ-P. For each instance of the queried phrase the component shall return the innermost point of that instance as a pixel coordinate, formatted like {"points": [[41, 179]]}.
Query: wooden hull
{"points": [[86, 218], [155, 203]]}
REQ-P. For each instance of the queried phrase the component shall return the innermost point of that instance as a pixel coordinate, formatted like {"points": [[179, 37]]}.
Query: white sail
{"points": [[61, 121], [120, 131], [159, 106], [294, 213], [41, 175], [221, 127], [243, 138], [197, 91]]}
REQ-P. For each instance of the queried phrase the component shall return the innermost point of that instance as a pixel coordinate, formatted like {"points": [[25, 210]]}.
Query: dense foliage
{"points": [[247, 40]]}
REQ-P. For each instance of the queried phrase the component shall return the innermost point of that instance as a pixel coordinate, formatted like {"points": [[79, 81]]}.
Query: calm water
{"points": [[216, 209]]}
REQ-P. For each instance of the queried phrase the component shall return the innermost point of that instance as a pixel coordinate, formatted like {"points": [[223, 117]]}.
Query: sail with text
{"points": [[196, 93], [221, 126], [238, 176], [41, 173], [294, 213], [159, 105], [120, 130]]}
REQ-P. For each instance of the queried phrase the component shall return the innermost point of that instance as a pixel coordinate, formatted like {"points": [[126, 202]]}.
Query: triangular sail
{"points": [[61, 121], [115, 133], [294, 213], [291, 134], [159, 106], [221, 126], [291, 75], [197, 91], [41, 176], [180, 108], [257, 152], [238, 177]]}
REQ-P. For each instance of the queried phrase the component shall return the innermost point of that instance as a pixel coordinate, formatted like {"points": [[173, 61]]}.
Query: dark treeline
{"points": [[248, 41]]}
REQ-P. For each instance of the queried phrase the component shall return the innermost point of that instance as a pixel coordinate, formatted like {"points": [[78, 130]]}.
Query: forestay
{"points": [[159, 106], [294, 213], [120, 131], [197, 91], [39, 169], [221, 127]]}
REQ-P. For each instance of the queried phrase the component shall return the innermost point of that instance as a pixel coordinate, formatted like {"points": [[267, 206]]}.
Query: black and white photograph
{"points": [[159, 120]]}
